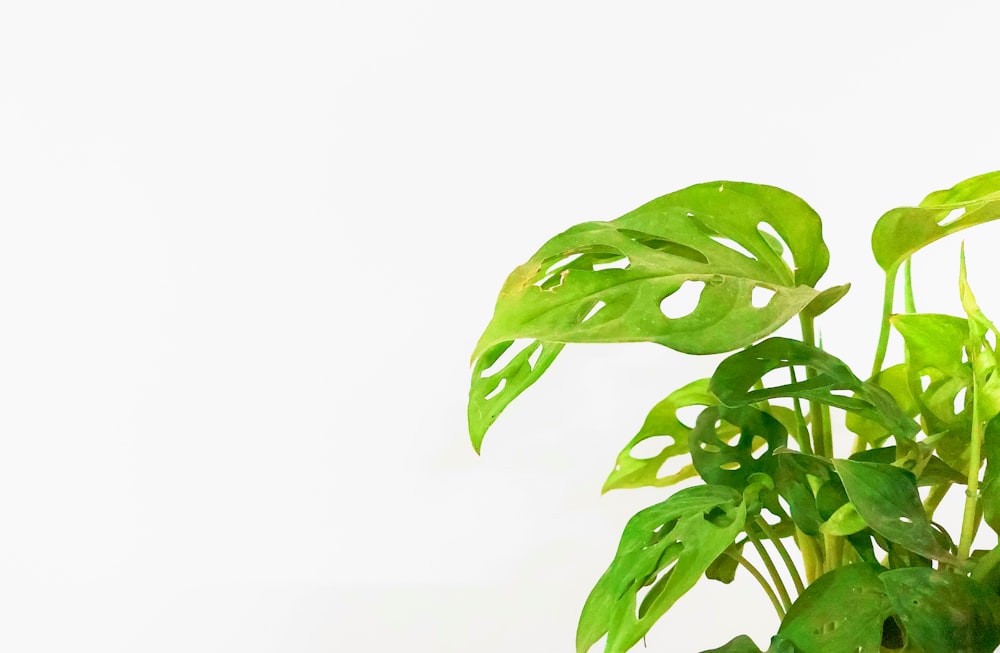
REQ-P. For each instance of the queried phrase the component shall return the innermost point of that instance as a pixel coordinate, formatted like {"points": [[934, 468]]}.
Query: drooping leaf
{"points": [[903, 231], [944, 611], [723, 568], [697, 235], [741, 644], [737, 374], [661, 423], [489, 394], [666, 547], [721, 463], [887, 498], [841, 612]]}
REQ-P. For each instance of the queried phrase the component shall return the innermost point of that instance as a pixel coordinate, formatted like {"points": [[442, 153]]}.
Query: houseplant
{"points": [[876, 572]]}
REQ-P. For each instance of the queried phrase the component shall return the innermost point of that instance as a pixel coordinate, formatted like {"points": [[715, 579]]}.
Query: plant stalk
{"points": [[763, 583], [786, 600], [783, 552], [969, 521]]}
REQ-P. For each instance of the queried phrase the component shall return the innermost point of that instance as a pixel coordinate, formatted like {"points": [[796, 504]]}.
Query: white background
{"points": [[246, 249]]}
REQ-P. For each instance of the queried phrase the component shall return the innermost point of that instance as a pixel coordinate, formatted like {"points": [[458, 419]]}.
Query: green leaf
{"points": [[737, 374], [662, 422], [894, 380], [723, 568], [944, 611], [791, 478], [887, 498], [825, 300], [741, 644], [666, 547], [721, 463], [991, 478], [934, 342], [903, 231], [680, 238], [489, 394], [984, 360], [841, 612], [935, 471]]}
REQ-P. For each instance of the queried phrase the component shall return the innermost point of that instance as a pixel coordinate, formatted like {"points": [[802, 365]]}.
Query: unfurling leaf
{"points": [[661, 423], [735, 376], [666, 547]]}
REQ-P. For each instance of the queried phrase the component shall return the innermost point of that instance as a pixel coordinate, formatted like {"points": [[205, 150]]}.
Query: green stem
{"points": [[786, 601], [909, 305], [815, 413], [811, 558], [763, 583], [800, 420], [783, 552], [883, 336], [969, 522]]}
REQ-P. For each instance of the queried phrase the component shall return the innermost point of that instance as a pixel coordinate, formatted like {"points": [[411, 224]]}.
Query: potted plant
{"points": [[875, 571]]}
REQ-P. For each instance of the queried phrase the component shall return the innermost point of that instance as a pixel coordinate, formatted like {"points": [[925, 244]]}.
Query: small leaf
{"points": [[791, 480], [737, 374], [723, 568], [935, 470], [490, 394], [887, 498], [820, 622], [844, 521], [666, 547], [662, 422], [825, 300], [901, 232], [944, 611]]}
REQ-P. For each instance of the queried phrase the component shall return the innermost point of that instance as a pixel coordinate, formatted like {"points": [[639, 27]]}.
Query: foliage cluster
{"points": [[876, 571]]}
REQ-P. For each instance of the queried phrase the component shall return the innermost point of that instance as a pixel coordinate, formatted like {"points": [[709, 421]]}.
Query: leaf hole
{"points": [[906, 520], [953, 216], [925, 382], [709, 448], [758, 446], [959, 403], [777, 244], [617, 264], [735, 246], [683, 301], [511, 351], [761, 296], [731, 466], [841, 392], [497, 390], [566, 260], [651, 447], [593, 310], [535, 355], [991, 340], [688, 415], [672, 466]]}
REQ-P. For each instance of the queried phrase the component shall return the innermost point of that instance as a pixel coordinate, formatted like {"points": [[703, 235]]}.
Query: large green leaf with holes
{"points": [[656, 250], [751, 253], [943, 611], [720, 462], [662, 425], [832, 383], [665, 548], [903, 231]]}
